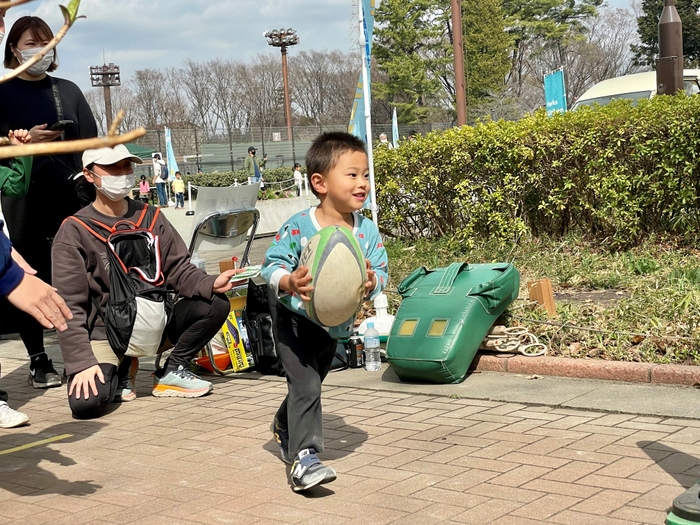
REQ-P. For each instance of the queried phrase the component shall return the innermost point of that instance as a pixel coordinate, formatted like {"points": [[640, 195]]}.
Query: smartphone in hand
{"points": [[60, 125]]}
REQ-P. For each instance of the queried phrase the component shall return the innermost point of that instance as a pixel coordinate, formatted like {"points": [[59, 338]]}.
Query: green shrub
{"points": [[227, 178], [616, 174]]}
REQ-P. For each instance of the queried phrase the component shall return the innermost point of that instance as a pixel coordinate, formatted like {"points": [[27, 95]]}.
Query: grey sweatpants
{"points": [[306, 351]]}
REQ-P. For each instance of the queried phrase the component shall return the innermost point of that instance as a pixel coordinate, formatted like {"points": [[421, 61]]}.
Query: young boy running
{"points": [[339, 177]]}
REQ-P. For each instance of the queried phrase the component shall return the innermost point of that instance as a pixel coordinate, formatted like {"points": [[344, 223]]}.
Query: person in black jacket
{"points": [[23, 295], [36, 101]]}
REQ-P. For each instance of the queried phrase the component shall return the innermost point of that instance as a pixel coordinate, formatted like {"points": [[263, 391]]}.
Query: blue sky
{"points": [[138, 34]]}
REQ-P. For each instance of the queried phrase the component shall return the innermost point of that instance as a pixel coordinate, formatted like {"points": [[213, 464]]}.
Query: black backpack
{"points": [[139, 306], [260, 318], [164, 174]]}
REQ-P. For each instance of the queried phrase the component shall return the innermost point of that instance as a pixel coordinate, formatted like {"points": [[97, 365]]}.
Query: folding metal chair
{"points": [[217, 229]]}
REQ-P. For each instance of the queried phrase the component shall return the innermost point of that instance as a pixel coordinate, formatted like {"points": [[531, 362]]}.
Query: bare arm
{"points": [[41, 301]]}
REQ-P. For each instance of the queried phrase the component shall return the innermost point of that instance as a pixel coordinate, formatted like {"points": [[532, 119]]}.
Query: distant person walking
{"points": [[252, 166], [160, 179]]}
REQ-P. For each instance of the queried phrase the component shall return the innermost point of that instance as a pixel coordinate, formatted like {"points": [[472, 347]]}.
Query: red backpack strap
{"points": [[88, 228], [144, 211], [153, 219]]}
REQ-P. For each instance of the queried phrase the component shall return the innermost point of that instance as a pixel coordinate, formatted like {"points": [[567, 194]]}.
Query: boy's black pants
{"points": [[306, 351]]}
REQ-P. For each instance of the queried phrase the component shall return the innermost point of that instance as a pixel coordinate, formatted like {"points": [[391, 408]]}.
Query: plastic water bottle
{"points": [[198, 261], [373, 361]]}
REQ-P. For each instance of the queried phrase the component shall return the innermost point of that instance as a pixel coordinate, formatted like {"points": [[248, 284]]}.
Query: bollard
{"points": [[189, 199]]}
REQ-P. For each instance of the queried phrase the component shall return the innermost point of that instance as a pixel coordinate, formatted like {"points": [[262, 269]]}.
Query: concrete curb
{"points": [[589, 369]]}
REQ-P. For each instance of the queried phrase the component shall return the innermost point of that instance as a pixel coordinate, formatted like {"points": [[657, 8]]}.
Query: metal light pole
{"points": [[669, 66], [106, 76], [284, 38], [458, 50]]}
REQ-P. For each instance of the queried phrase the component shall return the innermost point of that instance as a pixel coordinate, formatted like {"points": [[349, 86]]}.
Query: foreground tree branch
{"points": [[15, 3], [69, 146]]}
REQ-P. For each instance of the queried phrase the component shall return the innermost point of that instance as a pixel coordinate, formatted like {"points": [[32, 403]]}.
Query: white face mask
{"points": [[115, 187], [40, 67]]}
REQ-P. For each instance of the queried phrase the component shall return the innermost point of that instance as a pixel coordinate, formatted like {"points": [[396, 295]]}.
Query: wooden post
{"points": [[541, 292]]}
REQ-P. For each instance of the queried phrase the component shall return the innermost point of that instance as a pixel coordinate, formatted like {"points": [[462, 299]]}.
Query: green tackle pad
{"points": [[444, 316]]}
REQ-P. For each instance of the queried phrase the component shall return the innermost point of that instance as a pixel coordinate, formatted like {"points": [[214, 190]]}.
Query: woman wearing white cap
{"points": [[81, 275]]}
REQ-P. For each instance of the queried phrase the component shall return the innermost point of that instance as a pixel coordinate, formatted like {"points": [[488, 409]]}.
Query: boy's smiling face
{"points": [[346, 186]]}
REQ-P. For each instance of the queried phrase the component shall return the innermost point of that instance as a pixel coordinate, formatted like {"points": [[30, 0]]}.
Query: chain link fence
{"points": [[224, 151]]}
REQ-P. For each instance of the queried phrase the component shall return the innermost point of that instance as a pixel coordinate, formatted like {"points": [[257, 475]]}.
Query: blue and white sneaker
{"points": [[308, 471], [282, 437], [180, 383]]}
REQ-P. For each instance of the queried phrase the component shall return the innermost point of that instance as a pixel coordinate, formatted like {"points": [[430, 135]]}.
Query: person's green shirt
{"points": [[15, 176]]}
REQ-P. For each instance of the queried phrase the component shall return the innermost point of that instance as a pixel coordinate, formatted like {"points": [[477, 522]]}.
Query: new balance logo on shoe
{"points": [[308, 471]]}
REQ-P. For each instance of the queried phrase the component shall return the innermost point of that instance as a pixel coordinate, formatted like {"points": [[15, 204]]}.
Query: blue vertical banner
{"points": [[361, 118], [357, 125], [555, 92], [357, 117], [394, 129], [170, 155]]}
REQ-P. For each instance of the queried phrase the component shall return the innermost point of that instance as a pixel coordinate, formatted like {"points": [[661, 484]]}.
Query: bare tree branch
{"points": [[15, 3], [69, 146]]}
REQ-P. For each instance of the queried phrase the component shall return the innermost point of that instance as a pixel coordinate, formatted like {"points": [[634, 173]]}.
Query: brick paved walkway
{"points": [[400, 457]]}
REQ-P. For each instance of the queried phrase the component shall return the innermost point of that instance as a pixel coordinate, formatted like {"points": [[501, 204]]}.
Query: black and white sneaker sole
{"points": [[319, 477]]}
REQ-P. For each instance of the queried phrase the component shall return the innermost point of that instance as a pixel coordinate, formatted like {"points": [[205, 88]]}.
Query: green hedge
{"points": [[616, 174], [226, 178]]}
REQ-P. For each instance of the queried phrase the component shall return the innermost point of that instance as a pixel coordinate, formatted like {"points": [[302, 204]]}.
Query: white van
{"points": [[633, 87]]}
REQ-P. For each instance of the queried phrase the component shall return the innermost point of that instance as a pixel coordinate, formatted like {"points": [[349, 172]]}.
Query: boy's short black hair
{"points": [[327, 148]]}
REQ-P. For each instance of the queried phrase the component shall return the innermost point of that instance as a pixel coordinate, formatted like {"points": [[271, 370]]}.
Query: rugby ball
{"points": [[337, 267]]}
